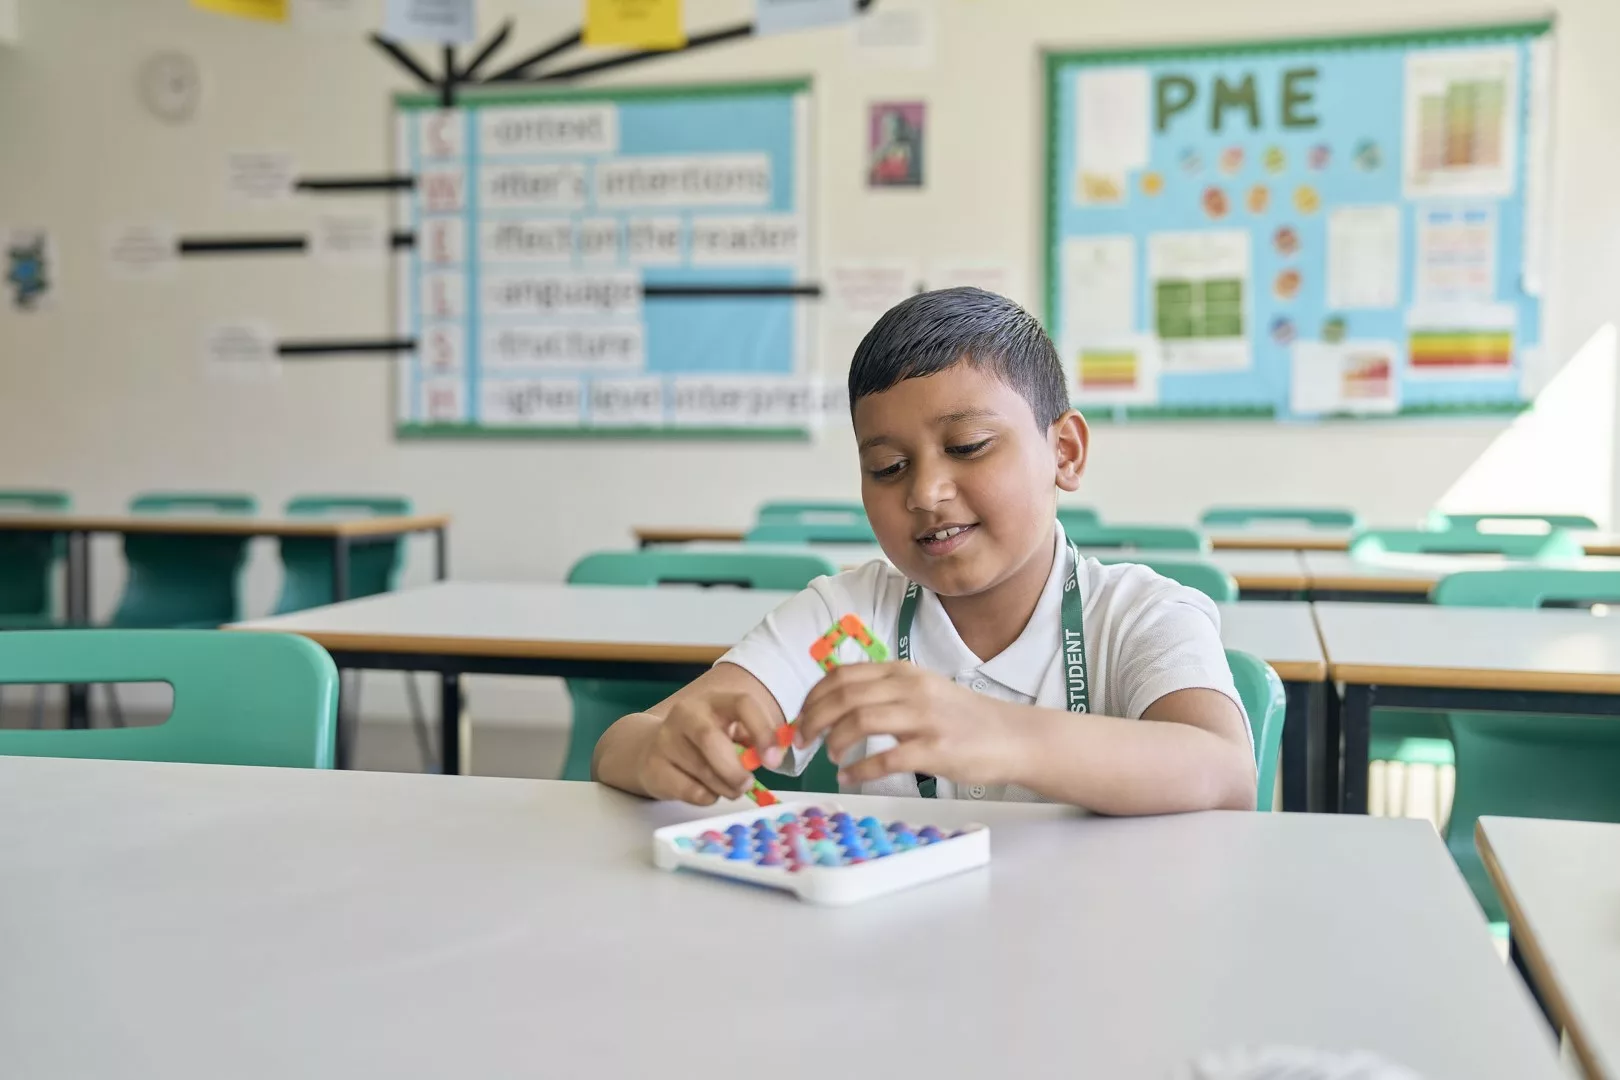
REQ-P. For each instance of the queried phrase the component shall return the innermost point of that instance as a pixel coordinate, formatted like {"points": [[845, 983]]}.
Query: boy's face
{"points": [[959, 450]]}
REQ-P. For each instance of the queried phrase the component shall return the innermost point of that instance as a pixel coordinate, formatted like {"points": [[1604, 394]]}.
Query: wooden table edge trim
{"points": [[1312, 671], [648, 534], [226, 526], [1275, 543], [1363, 583], [1279, 582], [504, 648], [1473, 678], [1551, 992]]}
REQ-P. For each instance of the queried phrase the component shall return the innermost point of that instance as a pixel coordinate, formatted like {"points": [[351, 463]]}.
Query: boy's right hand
{"points": [[692, 756]]}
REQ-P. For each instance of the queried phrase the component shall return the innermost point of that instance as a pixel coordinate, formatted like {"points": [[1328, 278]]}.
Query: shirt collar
{"points": [[1021, 666]]}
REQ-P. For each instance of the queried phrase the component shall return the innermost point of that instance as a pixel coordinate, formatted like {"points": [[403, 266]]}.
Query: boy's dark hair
{"points": [[932, 331]]}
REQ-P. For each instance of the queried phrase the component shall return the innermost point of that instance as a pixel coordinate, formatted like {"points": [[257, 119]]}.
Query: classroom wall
{"points": [[105, 394]]}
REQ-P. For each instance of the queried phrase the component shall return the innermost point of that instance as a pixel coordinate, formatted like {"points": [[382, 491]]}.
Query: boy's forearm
{"points": [[615, 761], [1116, 766]]}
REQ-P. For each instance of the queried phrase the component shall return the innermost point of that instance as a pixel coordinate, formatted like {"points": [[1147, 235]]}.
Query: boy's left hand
{"points": [[943, 729]]}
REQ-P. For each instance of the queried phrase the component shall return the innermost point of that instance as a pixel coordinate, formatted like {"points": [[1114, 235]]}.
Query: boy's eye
{"points": [[967, 449], [886, 471]]}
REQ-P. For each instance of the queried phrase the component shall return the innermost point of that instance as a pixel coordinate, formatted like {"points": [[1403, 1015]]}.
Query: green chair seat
{"points": [[1267, 705], [308, 579], [1141, 537], [180, 580], [1441, 520], [1078, 517], [800, 531], [1206, 577], [1371, 543], [1316, 517], [1516, 765], [239, 698], [598, 703], [811, 510]]}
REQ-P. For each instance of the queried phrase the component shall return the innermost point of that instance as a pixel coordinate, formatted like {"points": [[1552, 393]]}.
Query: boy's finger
{"points": [[689, 760], [719, 754], [666, 780], [908, 757], [849, 675], [899, 719], [820, 716], [759, 729]]}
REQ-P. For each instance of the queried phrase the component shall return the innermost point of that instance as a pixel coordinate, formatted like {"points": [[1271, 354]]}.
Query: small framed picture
{"points": [[895, 144]]}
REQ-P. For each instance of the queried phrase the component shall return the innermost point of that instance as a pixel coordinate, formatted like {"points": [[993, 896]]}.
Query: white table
{"points": [[599, 631], [194, 922], [1254, 571], [1560, 884], [1473, 659]]}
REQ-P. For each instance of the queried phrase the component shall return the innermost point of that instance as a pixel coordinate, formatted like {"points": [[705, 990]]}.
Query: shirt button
{"points": [[980, 686], [976, 791]]}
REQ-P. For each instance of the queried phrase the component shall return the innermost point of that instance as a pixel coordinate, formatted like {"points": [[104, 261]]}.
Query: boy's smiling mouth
{"points": [[946, 538]]}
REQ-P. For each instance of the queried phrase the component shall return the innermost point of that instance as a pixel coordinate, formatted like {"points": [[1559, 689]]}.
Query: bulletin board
{"points": [[1300, 229], [606, 262]]}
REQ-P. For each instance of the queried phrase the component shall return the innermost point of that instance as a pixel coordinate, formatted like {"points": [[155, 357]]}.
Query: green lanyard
{"points": [[1074, 646]]}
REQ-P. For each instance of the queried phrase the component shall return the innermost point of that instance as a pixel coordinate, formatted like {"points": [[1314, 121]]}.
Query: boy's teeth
{"points": [[946, 534]]}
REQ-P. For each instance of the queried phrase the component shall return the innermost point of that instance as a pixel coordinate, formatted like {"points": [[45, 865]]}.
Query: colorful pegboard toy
{"points": [[849, 628], [820, 851]]}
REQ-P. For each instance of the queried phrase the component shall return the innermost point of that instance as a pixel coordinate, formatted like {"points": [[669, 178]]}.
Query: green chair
{"points": [[1536, 766], [1206, 577], [1371, 543], [599, 702], [823, 510], [1139, 537], [181, 581], [1441, 520], [1078, 517], [306, 562], [1315, 517], [784, 531], [1263, 699], [239, 698], [28, 563]]}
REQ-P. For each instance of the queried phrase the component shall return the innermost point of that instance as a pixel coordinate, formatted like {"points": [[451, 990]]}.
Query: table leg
{"points": [[441, 554], [1358, 705], [340, 568], [450, 723], [1332, 732], [1529, 981], [78, 616], [1296, 779], [342, 751]]}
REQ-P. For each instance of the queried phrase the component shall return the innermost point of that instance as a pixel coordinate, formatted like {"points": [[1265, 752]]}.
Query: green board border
{"points": [[480, 96], [477, 95], [510, 434], [1056, 60]]}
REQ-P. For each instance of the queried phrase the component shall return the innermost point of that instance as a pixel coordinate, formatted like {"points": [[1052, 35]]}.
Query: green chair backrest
{"points": [[784, 531], [27, 559], [1140, 537], [239, 698], [810, 510], [306, 562], [1078, 517], [1535, 766], [1267, 705], [600, 702], [1206, 577], [192, 502], [1527, 586], [1316, 517], [1440, 520], [183, 581], [1372, 543]]}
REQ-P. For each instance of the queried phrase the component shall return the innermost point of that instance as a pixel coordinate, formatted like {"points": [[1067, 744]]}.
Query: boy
{"points": [[966, 436]]}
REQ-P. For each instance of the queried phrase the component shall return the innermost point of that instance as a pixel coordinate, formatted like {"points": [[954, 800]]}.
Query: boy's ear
{"points": [[1070, 440]]}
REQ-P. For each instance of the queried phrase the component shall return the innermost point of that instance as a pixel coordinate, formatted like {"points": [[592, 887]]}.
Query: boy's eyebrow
{"points": [[943, 419]]}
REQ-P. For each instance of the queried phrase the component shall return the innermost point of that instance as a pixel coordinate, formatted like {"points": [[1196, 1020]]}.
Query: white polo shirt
{"points": [[1146, 636]]}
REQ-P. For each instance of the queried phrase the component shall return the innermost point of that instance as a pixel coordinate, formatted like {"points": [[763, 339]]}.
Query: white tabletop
{"points": [[1560, 884], [675, 624], [1417, 573], [1278, 536], [181, 922], [1471, 648]]}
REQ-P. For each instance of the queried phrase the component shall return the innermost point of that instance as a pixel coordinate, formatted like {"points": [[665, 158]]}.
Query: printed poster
{"points": [[1348, 377], [1456, 252], [1199, 285], [894, 148], [1112, 132], [886, 36], [1364, 257], [1461, 122], [785, 16], [638, 24], [31, 266], [1461, 341], [141, 252], [444, 22], [262, 10], [1123, 370]]}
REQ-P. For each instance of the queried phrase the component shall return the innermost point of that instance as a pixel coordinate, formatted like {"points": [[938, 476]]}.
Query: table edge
{"points": [[1260, 542], [328, 528], [1443, 678], [685, 534], [1552, 992], [501, 648]]}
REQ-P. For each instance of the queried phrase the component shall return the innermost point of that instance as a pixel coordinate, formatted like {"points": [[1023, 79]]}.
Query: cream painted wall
{"points": [[104, 394]]}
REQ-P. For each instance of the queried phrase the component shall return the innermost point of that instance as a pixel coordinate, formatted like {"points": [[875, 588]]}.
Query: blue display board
{"points": [[1299, 229], [625, 261]]}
